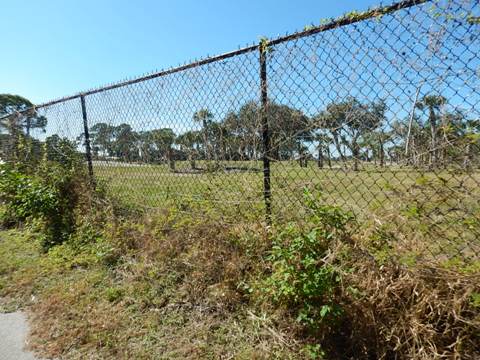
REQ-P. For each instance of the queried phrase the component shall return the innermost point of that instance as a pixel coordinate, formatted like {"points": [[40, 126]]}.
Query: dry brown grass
{"points": [[421, 313], [178, 291], [177, 287]]}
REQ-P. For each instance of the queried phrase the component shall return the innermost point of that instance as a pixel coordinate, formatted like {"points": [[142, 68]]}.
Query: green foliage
{"points": [[412, 211], [304, 277], [473, 20], [45, 188], [24, 196], [351, 119], [380, 244], [49, 199], [9, 104], [113, 294], [41, 181], [62, 151], [475, 300], [314, 351], [264, 44]]}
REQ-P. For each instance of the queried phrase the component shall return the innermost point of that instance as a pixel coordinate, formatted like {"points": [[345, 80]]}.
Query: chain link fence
{"points": [[377, 112]]}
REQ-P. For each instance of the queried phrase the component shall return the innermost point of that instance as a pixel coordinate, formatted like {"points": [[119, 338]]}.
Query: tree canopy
{"points": [[26, 121]]}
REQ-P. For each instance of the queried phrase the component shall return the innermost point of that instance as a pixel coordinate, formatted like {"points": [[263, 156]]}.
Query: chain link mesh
{"points": [[377, 113]]}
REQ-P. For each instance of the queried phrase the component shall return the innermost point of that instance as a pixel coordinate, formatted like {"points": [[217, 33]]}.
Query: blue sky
{"points": [[55, 48]]}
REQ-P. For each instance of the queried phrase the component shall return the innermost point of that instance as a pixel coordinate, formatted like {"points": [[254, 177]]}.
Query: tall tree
{"points": [[17, 145], [164, 140], [126, 144], [329, 120], [205, 118], [102, 137], [119, 141], [244, 129], [188, 142], [348, 121], [27, 120], [289, 130], [432, 103]]}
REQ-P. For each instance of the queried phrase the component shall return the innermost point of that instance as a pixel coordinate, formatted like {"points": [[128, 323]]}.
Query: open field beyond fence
{"points": [[433, 213], [377, 112]]}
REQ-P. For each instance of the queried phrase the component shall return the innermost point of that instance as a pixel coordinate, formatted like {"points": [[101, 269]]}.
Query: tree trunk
{"points": [[414, 158], [301, 156], [433, 130], [329, 157], [320, 156], [171, 161], [337, 147], [382, 154], [205, 141], [355, 154], [223, 146], [410, 123], [28, 126], [468, 157]]}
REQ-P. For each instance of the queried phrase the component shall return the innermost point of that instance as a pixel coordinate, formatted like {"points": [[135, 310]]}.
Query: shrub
{"points": [[24, 196], [304, 275], [50, 197]]}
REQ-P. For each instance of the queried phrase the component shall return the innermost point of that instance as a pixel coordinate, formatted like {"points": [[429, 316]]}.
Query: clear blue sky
{"points": [[56, 48]]}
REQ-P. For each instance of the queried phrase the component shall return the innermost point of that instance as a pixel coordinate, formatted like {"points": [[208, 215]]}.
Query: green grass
{"points": [[17, 253], [149, 185], [435, 213]]}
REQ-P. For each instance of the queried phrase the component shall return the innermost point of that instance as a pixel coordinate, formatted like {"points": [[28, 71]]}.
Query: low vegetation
{"points": [[109, 281]]}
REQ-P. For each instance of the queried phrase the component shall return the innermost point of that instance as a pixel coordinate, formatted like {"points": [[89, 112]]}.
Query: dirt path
{"points": [[13, 332]]}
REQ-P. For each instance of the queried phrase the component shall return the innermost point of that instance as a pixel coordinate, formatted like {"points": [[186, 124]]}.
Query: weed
{"points": [[304, 277], [113, 294]]}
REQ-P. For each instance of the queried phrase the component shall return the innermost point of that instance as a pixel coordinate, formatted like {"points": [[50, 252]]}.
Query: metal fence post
{"points": [[267, 194], [88, 150]]}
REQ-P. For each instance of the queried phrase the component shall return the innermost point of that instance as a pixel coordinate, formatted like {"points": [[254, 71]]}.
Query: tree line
{"points": [[345, 134]]}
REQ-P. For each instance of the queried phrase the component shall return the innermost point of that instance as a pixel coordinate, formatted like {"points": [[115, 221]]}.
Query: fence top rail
{"points": [[344, 20]]}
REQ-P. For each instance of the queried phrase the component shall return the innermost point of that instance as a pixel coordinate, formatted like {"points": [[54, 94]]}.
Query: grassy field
{"points": [[150, 185], [417, 206]]}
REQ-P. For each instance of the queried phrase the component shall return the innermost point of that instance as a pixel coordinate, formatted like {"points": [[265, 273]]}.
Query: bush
{"points": [[45, 186], [49, 197], [304, 276], [25, 196]]}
